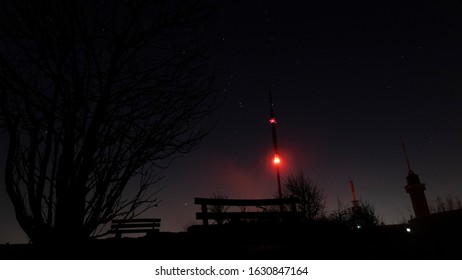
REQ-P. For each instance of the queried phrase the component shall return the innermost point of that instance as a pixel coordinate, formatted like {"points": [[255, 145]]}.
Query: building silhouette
{"points": [[447, 223], [416, 191]]}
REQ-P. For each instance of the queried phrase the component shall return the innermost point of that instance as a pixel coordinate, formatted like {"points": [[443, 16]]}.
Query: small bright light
{"points": [[276, 159], [272, 121], [408, 229], [358, 226]]}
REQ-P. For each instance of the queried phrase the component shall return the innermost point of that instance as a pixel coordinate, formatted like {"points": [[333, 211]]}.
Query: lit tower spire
{"points": [[276, 158]]}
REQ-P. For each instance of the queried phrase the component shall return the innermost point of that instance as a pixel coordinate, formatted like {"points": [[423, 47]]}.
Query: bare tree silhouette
{"points": [[442, 205], [218, 208], [96, 95], [312, 201]]}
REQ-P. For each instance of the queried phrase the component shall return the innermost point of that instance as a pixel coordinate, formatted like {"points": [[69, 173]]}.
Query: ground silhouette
{"points": [[316, 241]]}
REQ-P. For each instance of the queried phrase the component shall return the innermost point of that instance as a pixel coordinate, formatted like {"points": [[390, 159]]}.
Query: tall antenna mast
{"points": [[353, 193], [409, 170], [276, 159]]}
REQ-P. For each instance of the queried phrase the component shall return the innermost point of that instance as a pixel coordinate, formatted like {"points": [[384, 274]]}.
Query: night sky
{"points": [[348, 78]]}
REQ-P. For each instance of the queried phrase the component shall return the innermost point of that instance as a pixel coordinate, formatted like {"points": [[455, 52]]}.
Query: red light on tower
{"points": [[272, 121], [276, 159]]}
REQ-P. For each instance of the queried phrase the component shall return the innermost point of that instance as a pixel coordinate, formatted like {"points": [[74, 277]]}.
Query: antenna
{"points": [[409, 170], [353, 193], [273, 122], [276, 159]]}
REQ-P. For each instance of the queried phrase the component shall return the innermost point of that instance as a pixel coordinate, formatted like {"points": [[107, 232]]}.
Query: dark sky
{"points": [[348, 79]]}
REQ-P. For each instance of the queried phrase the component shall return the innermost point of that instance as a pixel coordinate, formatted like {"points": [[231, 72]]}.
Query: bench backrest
{"points": [[119, 227], [206, 215], [137, 222], [246, 202]]}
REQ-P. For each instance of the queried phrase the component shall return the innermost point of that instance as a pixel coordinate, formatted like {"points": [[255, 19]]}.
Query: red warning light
{"points": [[276, 159], [272, 121]]}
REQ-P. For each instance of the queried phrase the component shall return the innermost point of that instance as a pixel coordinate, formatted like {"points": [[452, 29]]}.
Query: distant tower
{"points": [[415, 189], [276, 158], [354, 202]]}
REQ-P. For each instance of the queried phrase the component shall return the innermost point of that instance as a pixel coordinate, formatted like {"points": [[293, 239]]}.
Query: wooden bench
{"points": [[148, 226], [258, 211]]}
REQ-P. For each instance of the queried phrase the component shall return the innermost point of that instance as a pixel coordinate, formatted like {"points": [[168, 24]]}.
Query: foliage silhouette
{"points": [[363, 216]]}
